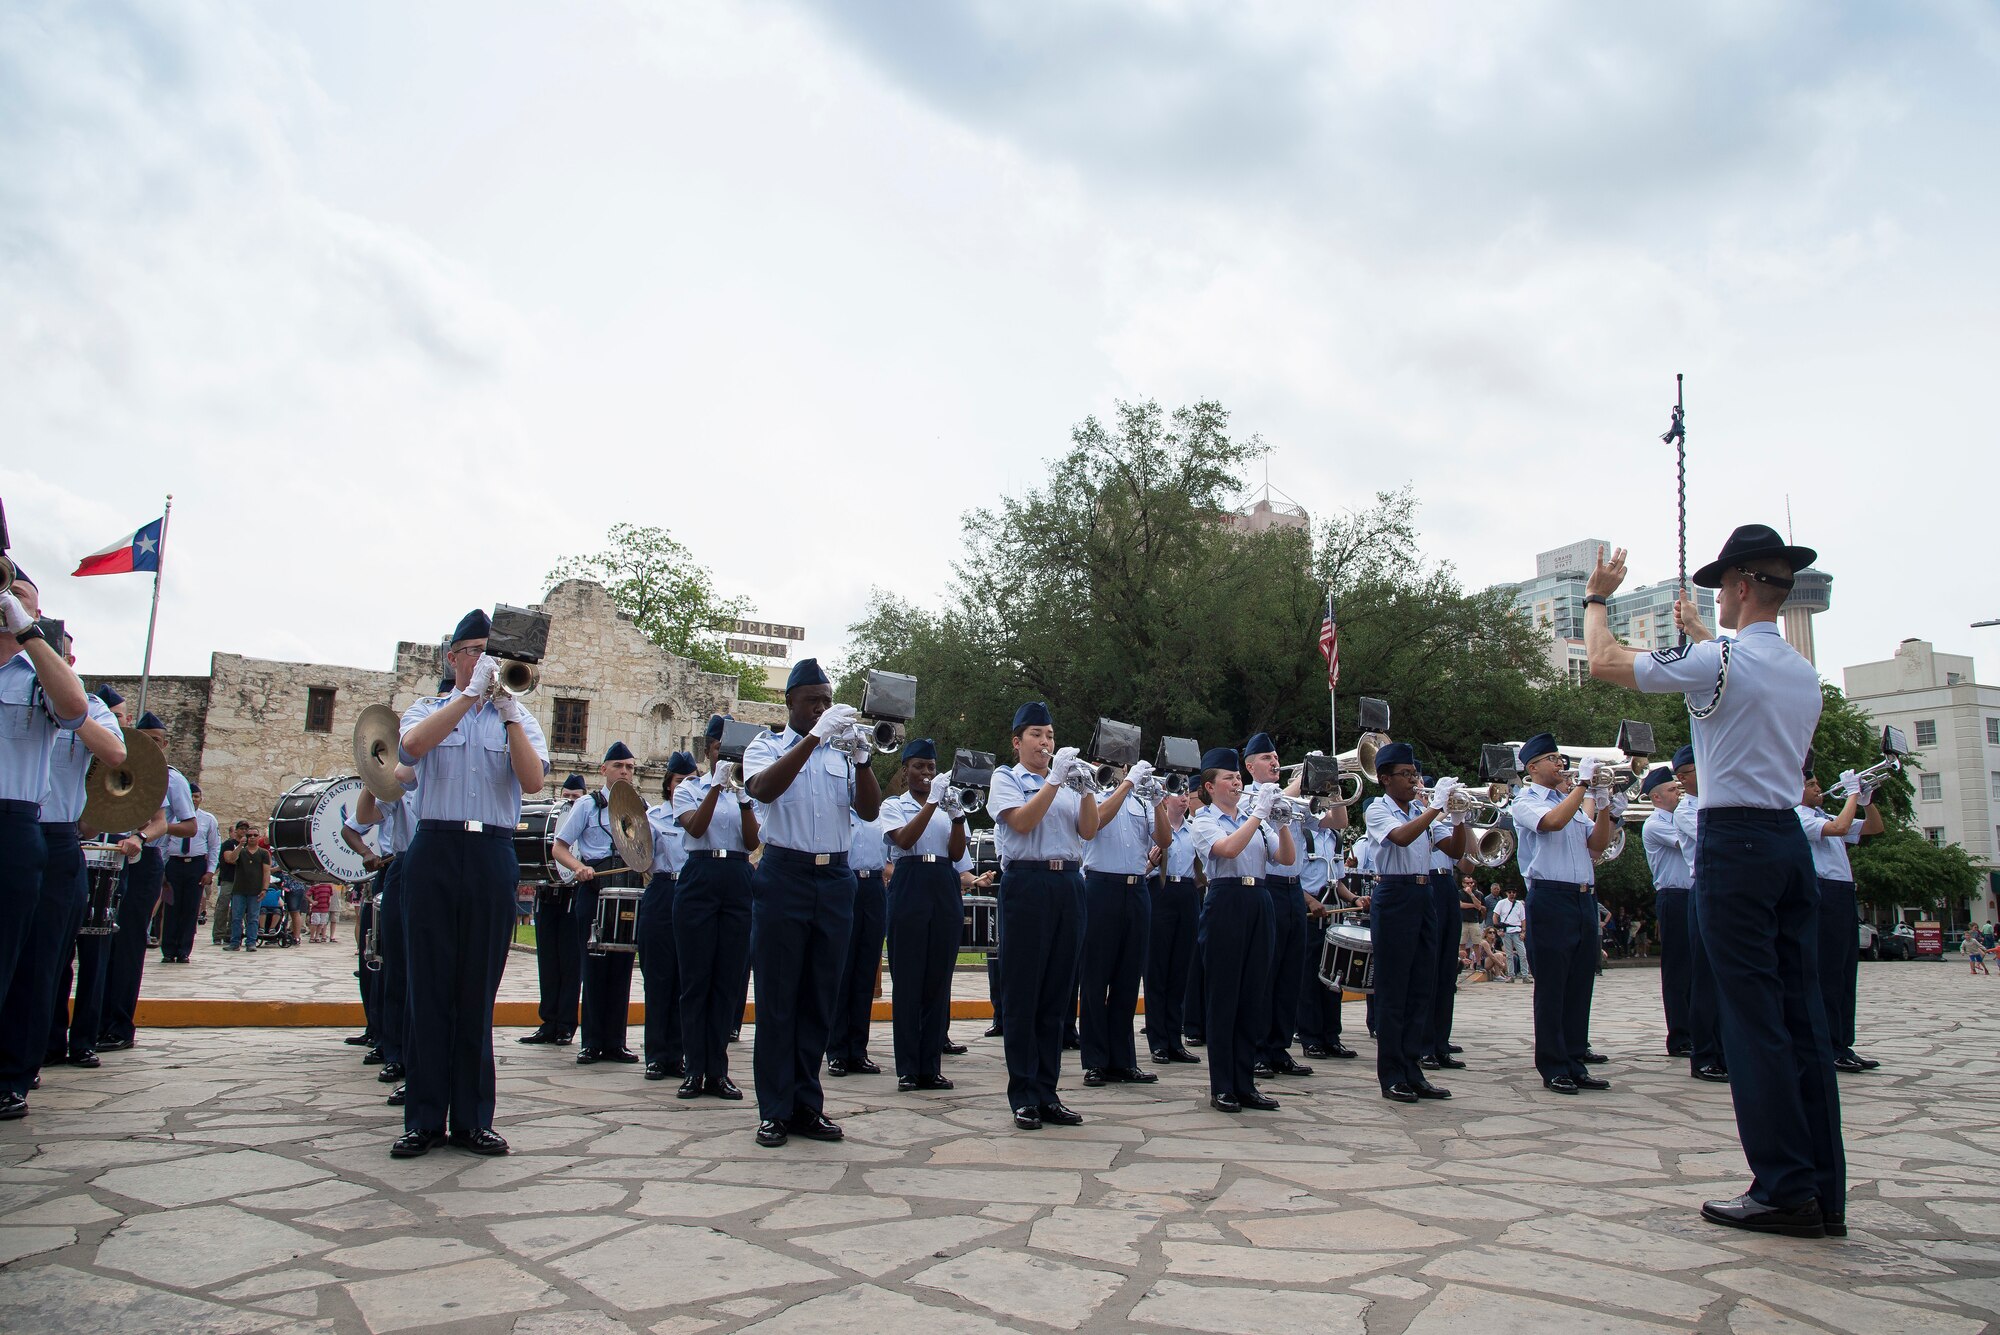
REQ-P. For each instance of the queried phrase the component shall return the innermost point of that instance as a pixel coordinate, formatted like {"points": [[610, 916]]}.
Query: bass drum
{"points": [[535, 844], [103, 867], [305, 831]]}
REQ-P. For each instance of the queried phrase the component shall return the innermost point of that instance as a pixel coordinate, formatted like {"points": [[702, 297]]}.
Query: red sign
{"points": [[1930, 938]]}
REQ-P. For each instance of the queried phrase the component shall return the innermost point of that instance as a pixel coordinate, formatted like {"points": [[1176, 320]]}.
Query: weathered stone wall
{"points": [[257, 745], [182, 704]]}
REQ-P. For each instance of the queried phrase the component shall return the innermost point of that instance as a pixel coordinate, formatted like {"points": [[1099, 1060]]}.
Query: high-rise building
{"points": [[1643, 617]]}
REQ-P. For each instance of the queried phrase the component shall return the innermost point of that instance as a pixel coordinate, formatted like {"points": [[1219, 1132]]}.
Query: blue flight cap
{"points": [[1684, 756], [22, 577], [919, 748], [573, 784], [1655, 776], [680, 762], [151, 722], [1541, 744], [618, 751], [1034, 714], [1259, 744], [1220, 757], [474, 625], [715, 722], [806, 672], [110, 697], [1395, 753]]}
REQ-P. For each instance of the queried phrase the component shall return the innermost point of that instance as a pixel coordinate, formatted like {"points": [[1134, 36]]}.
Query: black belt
{"points": [[467, 827], [1752, 815], [1282, 880], [1400, 878], [1118, 876], [10, 807], [190, 857], [1215, 881], [921, 857], [799, 857], [1177, 880], [1042, 864], [67, 827], [1561, 885], [722, 853]]}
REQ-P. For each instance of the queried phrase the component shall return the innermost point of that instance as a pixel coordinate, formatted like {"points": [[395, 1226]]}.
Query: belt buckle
{"points": [[475, 827], [822, 859], [1131, 880]]}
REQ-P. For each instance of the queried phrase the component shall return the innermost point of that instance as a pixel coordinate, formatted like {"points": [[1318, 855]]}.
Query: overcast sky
{"points": [[404, 302]]}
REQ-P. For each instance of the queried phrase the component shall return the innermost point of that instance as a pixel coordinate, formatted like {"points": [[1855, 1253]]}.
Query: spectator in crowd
{"points": [[1512, 915], [225, 877], [1975, 953], [319, 899], [1471, 910], [250, 862]]}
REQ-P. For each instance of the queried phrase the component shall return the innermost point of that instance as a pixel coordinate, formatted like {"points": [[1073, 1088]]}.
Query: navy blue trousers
{"points": [[1169, 956], [712, 941], [1041, 919], [392, 980], [660, 971], [1194, 1006], [1444, 986], [1757, 908], [1403, 922], [126, 968], [179, 918], [801, 916], [994, 992], [1288, 950], [558, 959], [460, 914], [854, 1005], [1319, 1005], [926, 922], [1563, 952], [1839, 960], [73, 1030], [29, 997], [1117, 928], [606, 1008], [1237, 942], [22, 856], [1670, 908], [1704, 1005], [368, 980]]}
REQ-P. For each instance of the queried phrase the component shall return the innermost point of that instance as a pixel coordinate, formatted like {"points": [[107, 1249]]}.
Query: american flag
{"points": [[1329, 644]]}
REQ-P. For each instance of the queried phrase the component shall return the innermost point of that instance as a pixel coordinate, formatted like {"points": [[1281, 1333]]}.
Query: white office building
{"points": [[1642, 617]]}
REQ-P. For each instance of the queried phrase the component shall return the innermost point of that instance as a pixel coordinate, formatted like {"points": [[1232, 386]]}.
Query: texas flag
{"points": [[134, 551]]}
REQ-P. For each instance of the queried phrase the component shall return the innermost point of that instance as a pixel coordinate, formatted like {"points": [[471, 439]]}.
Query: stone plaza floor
{"points": [[238, 1180]]}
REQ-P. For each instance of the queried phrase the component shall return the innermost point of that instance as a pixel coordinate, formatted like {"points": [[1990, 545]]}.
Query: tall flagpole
{"points": [[159, 568]]}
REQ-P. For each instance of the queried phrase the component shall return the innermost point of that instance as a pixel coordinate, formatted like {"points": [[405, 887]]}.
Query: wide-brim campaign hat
{"points": [[1753, 542]]}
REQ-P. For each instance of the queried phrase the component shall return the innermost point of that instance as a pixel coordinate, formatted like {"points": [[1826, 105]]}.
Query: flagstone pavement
{"points": [[238, 1180]]}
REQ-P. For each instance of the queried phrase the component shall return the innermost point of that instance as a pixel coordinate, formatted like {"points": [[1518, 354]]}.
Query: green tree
{"points": [[1848, 739], [670, 597], [1904, 868]]}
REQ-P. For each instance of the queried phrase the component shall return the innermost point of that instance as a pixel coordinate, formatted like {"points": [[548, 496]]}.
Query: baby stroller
{"points": [[275, 922]]}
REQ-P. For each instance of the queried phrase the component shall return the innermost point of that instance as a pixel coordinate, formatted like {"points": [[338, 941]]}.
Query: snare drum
{"points": [[535, 844], [616, 926], [104, 869], [1347, 961], [981, 933], [305, 832]]}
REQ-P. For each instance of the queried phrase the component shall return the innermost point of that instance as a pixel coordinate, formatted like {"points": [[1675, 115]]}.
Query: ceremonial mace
{"points": [[1676, 436]]}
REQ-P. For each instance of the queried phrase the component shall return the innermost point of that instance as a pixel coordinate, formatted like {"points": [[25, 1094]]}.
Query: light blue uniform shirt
{"points": [[28, 728], [469, 775], [1687, 820], [1214, 824], [1364, 853], [1056, 837], [1559, 855], [1179, 861], [1662, 838], [1314, 871], [1750, 750], [586, 828], [725, 823], [868, 847], [1413, 858], [811, 815], [669, 850], [205, 842], [69, 761], [395, 824], [179, 805], [1830, 854], [1123, 842], [935, 840]]}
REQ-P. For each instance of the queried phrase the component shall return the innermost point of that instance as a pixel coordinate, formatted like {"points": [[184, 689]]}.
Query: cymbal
{"points": [[124, 797], [630, 830], [377, 735]]}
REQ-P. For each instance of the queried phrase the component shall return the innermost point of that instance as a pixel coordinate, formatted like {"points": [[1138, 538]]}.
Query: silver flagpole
{"points": [[152, 620]]}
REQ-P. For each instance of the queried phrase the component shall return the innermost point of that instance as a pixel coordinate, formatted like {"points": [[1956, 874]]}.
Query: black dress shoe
{"points": [[662, 1070], [1715, 1073], [933, 1082], [690, 1088], [1867, 1064], [1258, 1100], [1093, 1077], [1681, 1050], [415, 1144], [952, 1049], [1226, 1103], [1319, 1050], [1561, 1084], [485, 1141], [1161, 1057], [356, 1040], [1197, 1040], [815, 1126], [1836, 1224], [836, 1068], [1426, 1090], [87, 1059], [1453, 1048], [1594, 1057], [1851, 1065], [1444, 1063], [992, 1031], [1286, 1066], [110, 1044], [1028, 1119], [539, 1036], [1132, 1075], [397, 1098], [722, 1087], [1263, 1071], [1400, 1093], [1072, 1043], [390, 1073], [771, 1134], [623, 1056], [1341, 1050], [12, 1107], [1800, 1221], [588, 1056], [372, 1057], [1591, 1082], [565, 1038], [1183, 1055], [1060, 1114], [906, 1084], [863, 1067]]}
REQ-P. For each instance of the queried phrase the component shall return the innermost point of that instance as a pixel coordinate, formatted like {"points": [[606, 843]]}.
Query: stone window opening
{"points": [[572, 724], [319, 709]]}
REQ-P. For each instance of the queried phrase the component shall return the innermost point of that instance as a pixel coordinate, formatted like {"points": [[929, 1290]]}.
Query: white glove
{"points": [[1586, 770], [1441, 795], [1265, 798], [14, 616], [1140, 772], [835, 720], [1063, 765], [484, 673], [1867, 794], [724, 775], [1850, 780], [1618, 804], [511, 710]]}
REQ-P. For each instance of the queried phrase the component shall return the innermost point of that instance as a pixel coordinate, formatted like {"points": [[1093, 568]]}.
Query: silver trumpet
{"points": [[514, 678], [864, 737], [728, 776], [1288, 809], [1463, 801], [1489, 846], [1872, 777]]}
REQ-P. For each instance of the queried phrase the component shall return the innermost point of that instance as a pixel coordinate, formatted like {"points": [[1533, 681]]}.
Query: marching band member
{"points": [[659, 961], [126, 967], [1555, 842], [1319, 1005], [50, 932], [558, 949], [1661, 836], [388, 986], [1237, 940], [1754, 703], [719, 827], [190, 871], [854, 1002], [802, 899], [1041, 826], [1117, 927], [584, 845], [1403, 918], [1705, 1057], [927, 849], [1839, 941], [1170, 952], [1443, 872], [474, 754]]}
